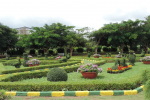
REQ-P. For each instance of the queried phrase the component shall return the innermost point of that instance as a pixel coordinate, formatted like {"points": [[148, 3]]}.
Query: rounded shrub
{"points": [[57, 74]]}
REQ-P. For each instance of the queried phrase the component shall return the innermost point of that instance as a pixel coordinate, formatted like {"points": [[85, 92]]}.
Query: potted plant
{"points": [[89, 70], [146, 60], [96, 55], [33, 62]]}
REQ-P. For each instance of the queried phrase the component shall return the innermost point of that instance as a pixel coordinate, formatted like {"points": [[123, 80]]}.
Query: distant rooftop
{"points": [[24, 27]]}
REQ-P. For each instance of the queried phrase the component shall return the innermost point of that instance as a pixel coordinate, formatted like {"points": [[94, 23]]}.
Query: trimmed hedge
{"points": [[132, 82], [40, 67], [58, 86]]}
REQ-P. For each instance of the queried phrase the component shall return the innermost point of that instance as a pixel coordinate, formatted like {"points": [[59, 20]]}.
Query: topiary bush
{"points": [[117, 62], [57, 74], [25, 56]]}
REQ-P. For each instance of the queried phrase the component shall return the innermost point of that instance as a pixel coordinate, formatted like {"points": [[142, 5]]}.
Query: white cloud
{"points": [[80, 13]]}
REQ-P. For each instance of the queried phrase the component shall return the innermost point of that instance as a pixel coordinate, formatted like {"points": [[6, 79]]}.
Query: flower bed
{"points": [[96, 55], [107, 57], [33, 62], [119, 70], [146, 60], [59, 57]]}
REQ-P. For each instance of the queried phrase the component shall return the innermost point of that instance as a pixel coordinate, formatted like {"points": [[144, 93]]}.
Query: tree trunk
{"points": [[65, 49], [119, 48], [71, 50], [146, 48], [122, 48], [96, 50]]}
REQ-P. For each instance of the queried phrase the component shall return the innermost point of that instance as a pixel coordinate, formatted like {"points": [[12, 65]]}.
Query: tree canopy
{"points": [[8, 37]]}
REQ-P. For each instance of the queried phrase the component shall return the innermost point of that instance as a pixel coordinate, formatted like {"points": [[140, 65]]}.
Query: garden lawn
{"points": [[128, 75]]}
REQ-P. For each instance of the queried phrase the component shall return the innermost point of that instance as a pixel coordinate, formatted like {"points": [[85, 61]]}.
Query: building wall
{"points": [[24, 30]]}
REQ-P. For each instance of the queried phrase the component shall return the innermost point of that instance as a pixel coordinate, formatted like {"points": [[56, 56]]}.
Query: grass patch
{"points": [[135, 72]]}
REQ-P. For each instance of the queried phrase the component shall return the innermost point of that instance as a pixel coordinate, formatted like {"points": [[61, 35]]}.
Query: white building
{"points": [[24, 30]]}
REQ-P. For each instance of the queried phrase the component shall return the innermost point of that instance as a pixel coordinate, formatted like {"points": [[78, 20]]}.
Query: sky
{"points": [[78, 13]]}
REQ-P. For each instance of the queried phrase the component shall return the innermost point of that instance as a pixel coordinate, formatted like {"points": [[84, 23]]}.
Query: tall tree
{"points": [[8, 37], [144, 35], [99, 34], [122, 33], [73, 39]]}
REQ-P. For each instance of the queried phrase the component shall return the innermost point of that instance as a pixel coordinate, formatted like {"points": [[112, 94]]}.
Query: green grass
{"points": [[136, 71]]}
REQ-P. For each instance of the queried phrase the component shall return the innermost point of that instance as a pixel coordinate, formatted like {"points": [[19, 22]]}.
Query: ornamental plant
{"points": [[89, 67], [119, 70], [59, 57], [33, 62], [147, 58], [97, 55]]}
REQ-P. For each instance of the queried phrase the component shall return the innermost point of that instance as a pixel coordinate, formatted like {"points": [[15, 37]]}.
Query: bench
{"points": [[61, 54]]}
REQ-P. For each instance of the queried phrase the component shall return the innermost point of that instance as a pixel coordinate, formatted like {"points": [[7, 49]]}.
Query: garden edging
{"points": [[77, 93]]}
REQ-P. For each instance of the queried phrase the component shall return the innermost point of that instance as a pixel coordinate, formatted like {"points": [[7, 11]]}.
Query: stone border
{"points": [[77, 93]]}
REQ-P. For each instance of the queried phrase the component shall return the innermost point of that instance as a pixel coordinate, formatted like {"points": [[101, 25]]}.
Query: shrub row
{"points": [[40, 67]]}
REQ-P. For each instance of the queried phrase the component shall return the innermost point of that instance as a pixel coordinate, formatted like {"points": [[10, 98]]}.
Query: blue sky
{"points": [[79, 13]]}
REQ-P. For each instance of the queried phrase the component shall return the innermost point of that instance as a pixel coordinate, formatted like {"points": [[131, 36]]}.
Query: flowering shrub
{"points": [[59, 57], [97, 55], [30, 56], [33, 62], [90, 68], [147, 58]]}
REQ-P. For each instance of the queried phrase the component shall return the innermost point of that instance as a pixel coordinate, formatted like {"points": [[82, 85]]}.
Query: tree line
{"points": [[127, 33]]}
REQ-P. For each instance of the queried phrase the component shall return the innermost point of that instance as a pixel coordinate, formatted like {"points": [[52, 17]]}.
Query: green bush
{"points": [[57, 74], [147, 90], [3, 96]]}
